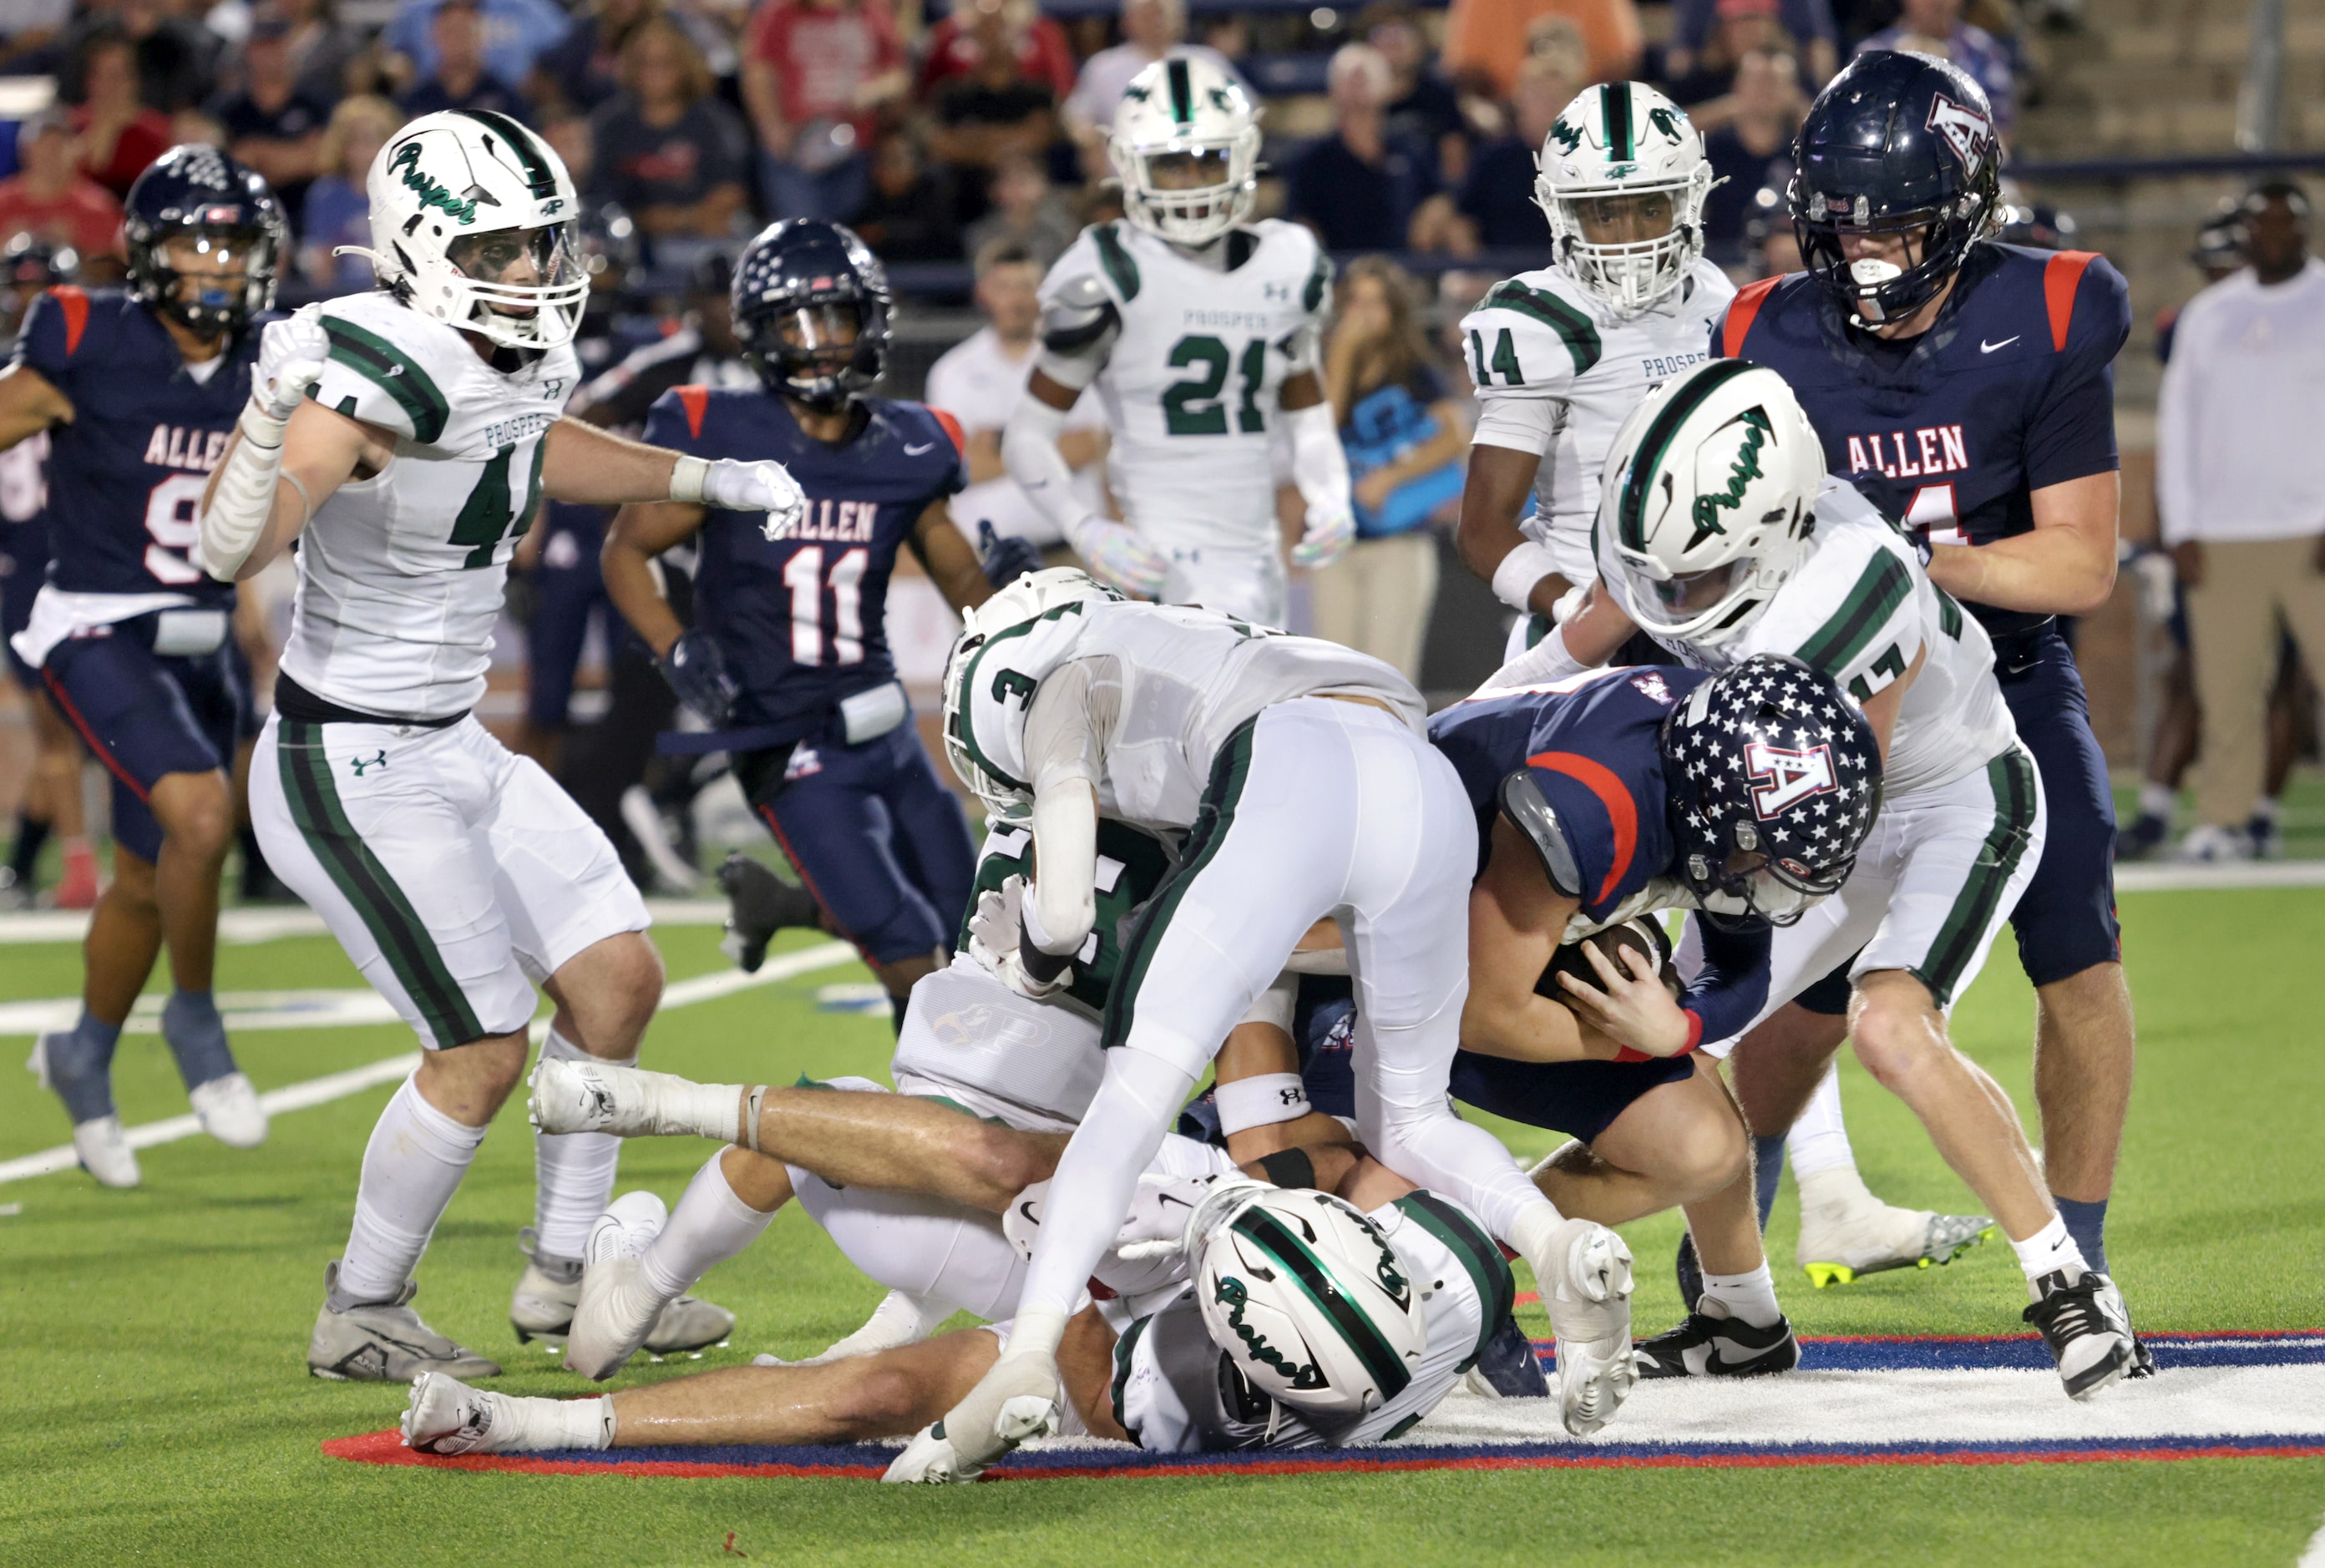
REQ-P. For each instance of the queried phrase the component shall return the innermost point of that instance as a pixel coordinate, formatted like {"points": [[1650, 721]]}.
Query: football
{"points": [[1642, 936]]}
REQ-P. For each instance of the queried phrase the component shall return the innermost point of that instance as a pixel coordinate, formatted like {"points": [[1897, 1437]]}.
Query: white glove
{"points": [[764, 486], [1114, 552], [1332, 530], [993, 927], [290, 357], [1172, 1228]]}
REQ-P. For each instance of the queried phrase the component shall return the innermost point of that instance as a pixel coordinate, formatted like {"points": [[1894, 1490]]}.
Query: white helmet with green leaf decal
{"points": [[473, 221], [1186, 142], [1622, 179]]}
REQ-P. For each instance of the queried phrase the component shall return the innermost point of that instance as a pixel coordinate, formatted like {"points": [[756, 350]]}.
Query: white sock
{"points": [[2157, 799], [533, 1425], [1530, 1232], [1839, 1187], [1133, 1107], [709, 1225], [1819, 1140], [574, 1171], [2048, 1250], [410, 1168], [1751, 1297]]}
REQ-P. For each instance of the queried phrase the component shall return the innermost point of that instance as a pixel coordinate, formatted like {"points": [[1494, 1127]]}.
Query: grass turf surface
{"points": [[153, 1404]]}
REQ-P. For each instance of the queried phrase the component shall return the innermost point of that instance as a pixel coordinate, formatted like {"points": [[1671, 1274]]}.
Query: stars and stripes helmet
{"points": [[195, 193], [1186, 144], [812, 308], [1623, 151], [1705, 500], [458, 199], [1774, 777], [1005, 646]]}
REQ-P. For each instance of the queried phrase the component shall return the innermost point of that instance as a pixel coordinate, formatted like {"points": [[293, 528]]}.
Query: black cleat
{"points": [[1717, 1347], [2083, 1321], [2142, 1360], [759, 904], [2145, 838], [1508, 1365], [1691, 1272]]}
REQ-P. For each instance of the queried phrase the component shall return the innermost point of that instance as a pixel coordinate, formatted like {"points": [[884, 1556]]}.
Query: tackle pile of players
{"points": [[1786, 565]]}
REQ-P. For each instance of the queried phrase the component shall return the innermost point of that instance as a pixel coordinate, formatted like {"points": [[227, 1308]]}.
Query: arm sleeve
{"points": [[2070, 433], [1029, 450], [1728, 992], [1067, 729]]}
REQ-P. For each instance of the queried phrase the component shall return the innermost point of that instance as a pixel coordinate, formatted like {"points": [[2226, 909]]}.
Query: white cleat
{"points": [[928, 1460], [228, 1110], [105, 1152], [1845, 1231], [570, 1096], [1016, 1400], [1585, 1280], [900, 1319], [617, 1308], [447, 1416]]}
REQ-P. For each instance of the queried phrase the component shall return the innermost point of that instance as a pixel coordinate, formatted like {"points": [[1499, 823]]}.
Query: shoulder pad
{"points": [[1523, 335], [1078, 317], [371, 375], [1529, 811]]}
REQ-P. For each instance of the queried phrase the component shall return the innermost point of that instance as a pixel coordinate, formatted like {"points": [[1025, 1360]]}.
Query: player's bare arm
{"points": [[641, 531], [949, 558], [29, 404], [1516, 921], [1499, 482], [2064, 566]]}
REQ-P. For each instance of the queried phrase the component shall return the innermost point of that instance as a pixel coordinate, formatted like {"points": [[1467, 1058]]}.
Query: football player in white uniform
{"points": [[1562, 355], [1198, 330], [1722, 537], [405, 438]]}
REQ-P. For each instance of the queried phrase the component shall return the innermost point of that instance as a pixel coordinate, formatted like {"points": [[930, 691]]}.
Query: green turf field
{"points": [[154, 1407]]}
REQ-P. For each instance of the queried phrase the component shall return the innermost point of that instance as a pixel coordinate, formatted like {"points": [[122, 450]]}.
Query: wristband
{"points": [[687, 476], [1260, 1102], [1520, 570]]}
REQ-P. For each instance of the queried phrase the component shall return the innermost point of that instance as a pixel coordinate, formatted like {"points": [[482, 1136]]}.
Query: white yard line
{"points": [[333, 1087], [2314, 1557], [267, 923]]}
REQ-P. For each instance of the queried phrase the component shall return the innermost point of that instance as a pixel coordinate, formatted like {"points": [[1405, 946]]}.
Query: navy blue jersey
{"points": [[126, 476], [802, 621], [1951, 432]]}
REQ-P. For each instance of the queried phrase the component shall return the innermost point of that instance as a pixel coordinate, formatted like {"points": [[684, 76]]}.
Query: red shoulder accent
{"points": [[696, 401], [1742, 311], [74, 303], [2060, 276], [1622, 813], [951, 427]]}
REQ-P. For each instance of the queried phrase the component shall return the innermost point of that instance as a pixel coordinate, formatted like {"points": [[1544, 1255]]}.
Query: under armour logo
{"points": [[360, 764], [1791, 776], [1276, 291]]}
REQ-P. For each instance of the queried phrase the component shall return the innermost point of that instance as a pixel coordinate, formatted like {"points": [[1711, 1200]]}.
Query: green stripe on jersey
{"points": [[1475, 1252], [313, 797], [2011, 777], [1881, 591], [1578, 331], [1115, 259], [387, 367], [1320, 279], [1950, 613]]}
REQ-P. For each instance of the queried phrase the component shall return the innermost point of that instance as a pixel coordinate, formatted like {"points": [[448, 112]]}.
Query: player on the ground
{"points": [[1562, 355], [405, 438], [1609, 796], [1964, 387], [1311, 794], [1721, 536], [137, 390], [1200, 331], [50, 805], [787, 661]]}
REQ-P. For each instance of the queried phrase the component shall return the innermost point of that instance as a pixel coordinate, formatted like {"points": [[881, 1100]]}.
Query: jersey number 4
{"points": [[484, 517], [1193, 407], [804, 575]]}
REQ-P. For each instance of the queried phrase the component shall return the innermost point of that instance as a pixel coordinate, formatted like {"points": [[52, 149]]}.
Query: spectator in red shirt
{"points": [[668, 151], [117, 134], [955, 47], [51, 200], [815, 75]]}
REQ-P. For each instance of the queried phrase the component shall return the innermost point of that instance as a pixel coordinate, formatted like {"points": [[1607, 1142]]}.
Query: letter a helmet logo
{"points": [[1791, 777], [1968, 133]]}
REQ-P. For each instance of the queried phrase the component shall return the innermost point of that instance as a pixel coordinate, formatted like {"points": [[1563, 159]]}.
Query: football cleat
{"points": [[1689, 1268], [594, 1096], [618, 1312], [759, 904], [554, 1293], [104, 1151], [1585, 1279], [1718, 1347], [2145, 838], [2085, 1324], [928, 1460], [1017, 1399], [541, 1307], [1845, 1231], [2142, 1360], [385, 1341], [1507, 1367], [900, 1319], [445, 1415], [228, 1110], [2208, 842]]}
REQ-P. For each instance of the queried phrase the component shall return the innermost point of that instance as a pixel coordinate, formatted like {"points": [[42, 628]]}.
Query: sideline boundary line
{"points": [[700, 988]]}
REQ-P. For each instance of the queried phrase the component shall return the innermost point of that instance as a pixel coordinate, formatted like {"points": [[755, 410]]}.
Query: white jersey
{"points": [[977, 383], [400, 575], [1191, 384], [1858, 608], [1557, 374], [1187, 679]]}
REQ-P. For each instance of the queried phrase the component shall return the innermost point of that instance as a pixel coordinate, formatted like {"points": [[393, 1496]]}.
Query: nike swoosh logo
{"points": [[1986, 348], [1174, 1198], [910, 451], [1026, 1208]]}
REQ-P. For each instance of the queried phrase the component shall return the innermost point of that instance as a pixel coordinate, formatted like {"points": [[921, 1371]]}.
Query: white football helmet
{"points": [[1309, 1299], [1184, 119], [1707, 500], [1623, 140], [457, 199], [1006, 646]]}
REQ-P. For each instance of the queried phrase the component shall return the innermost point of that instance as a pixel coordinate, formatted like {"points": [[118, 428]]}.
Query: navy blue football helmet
{"points": [[1774, 779], [812, 312], [1897, 145], [195, 193]]}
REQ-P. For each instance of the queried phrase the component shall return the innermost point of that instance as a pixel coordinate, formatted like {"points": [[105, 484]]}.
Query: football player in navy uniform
{"points": [[138, 390], [1612, 795], [1965, 387], [788, 658]]}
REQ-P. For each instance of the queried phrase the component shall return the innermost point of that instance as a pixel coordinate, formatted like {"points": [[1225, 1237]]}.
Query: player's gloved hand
{"points": [[697, 671], [764, 486], [1115, 554], [292, 353], [1332, 530], [1004, 557], [993, 941], [1175, 1215]]}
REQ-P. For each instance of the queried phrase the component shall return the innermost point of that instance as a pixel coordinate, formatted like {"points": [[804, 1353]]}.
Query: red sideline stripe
{"points": [[2060, 276], [97, 747], [696, 401], [1742, 311], [387, 1448]]}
